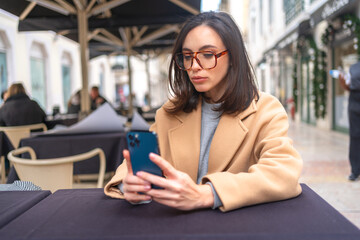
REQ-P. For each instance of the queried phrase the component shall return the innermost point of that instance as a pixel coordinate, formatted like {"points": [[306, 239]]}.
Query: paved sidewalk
{"points": [[326, 167]]}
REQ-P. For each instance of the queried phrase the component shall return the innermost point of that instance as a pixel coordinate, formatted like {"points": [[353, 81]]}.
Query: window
{"points": [[37, 68], [66, 78], [261, 17], [101, 80], [271, 11], [3, 66], [292, 9]]}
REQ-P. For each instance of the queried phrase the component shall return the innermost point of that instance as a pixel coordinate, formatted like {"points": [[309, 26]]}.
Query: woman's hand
{"points": [[132, 184], [179, 190]]}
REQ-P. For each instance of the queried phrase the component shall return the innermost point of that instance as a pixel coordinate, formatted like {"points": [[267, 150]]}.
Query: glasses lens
{"points": [[183, 60], [207, 59]]}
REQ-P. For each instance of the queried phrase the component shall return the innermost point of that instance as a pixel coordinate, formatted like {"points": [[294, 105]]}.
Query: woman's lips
{"points": [[198, 79]]}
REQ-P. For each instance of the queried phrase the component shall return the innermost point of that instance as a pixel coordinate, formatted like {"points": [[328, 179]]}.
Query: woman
{"points": [[74, 106], [19, 109], [223, 144]]}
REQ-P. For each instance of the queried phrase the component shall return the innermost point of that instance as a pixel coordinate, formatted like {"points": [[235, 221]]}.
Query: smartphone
{"points": [[140, 145]]}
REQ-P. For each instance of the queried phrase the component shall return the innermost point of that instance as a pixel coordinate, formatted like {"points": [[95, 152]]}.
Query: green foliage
{"points": [[319, 76], [353, 23], [295, 83], [318, 80]]}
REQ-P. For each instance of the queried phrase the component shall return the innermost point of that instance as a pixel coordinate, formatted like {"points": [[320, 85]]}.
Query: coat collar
{"points": [[184, 140]]}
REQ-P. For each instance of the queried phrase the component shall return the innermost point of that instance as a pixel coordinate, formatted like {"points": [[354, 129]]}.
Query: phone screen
{"points": [[140, 145]]}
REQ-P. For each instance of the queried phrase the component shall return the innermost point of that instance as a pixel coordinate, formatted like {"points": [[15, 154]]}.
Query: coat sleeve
{"points": [[276, 169], [111, 188]]}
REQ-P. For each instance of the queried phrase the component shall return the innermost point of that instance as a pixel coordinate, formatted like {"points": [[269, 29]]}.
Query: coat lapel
{"points": [[184, 142], [229, 135]]}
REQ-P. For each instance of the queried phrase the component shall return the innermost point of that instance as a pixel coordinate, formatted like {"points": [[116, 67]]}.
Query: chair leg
{"points": [[2, 169]]}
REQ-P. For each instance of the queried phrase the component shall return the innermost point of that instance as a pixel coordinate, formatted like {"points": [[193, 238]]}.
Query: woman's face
{"points": [[212, 82]]}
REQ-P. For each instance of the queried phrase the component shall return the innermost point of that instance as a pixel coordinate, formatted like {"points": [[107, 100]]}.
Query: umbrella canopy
{"points": [[107, 26]]}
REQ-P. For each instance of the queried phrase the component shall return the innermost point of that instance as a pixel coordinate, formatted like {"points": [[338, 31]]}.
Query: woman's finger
{"points": [[126, 155], [136, 188], [132, 179], [153, 179], [134, 197], [165, 166]]}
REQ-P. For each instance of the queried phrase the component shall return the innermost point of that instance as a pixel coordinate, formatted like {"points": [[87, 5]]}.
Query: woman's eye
{"points": [[208, 55], [187, 57]]}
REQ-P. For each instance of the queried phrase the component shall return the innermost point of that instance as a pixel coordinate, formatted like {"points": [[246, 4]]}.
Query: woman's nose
{"points": [[196, 65]]}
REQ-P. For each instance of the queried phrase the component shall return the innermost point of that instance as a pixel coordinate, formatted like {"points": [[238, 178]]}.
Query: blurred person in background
{"points": [[96, 99], [4, 95], [351, 82], [74, 103], [19, 109]]}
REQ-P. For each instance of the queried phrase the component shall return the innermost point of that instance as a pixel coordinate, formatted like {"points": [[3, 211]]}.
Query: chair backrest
{"points": [[16, 133], [52, 174]]}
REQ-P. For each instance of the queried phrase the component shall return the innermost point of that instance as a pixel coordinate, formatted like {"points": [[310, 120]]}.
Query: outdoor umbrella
{"points": [[108, 26]]}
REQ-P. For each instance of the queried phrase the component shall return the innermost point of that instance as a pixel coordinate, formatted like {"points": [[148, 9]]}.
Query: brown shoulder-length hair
{"points": [[241, 88], [16, 88]]}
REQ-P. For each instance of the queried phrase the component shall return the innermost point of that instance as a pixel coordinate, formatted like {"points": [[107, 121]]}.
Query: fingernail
{"points": [[147, 187]]}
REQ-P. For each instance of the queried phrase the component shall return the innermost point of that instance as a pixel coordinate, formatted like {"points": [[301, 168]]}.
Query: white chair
{"points": [[52, 174], [15, 134]]}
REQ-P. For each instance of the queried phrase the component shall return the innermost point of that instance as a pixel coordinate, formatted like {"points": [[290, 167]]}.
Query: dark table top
{"points": [[89, 214], [66, 120], [14, 203]]}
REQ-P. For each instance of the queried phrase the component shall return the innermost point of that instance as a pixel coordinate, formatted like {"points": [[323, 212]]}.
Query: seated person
{"points": [[96, 98], [74, 105], [223, 143], [19, 109]]}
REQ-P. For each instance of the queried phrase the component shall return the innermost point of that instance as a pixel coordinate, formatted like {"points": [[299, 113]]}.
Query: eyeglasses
{"points": [[206, 59]]}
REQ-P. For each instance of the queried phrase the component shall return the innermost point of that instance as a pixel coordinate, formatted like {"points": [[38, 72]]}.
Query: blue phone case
{"points": [[140, 145]]}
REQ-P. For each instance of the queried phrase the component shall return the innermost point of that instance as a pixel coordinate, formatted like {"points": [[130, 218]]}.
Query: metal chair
{"points": [[52, 174]]}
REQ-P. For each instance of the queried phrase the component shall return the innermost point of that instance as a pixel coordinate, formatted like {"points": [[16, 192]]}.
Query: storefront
{"points": [[340, 41], [344, 55]]}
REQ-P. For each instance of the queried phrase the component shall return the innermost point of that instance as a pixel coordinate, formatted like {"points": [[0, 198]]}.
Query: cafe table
{"points": [[89, 214], [14, 203], [55, 146]]}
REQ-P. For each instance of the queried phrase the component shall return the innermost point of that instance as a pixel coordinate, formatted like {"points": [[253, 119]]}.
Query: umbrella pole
{"points": [[84, 54], [147, 69], [130, 84]]}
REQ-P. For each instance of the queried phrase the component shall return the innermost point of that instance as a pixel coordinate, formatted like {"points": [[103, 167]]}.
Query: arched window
{"points": [[101, 79], [3, 66], [66, 70], [38, 79]]}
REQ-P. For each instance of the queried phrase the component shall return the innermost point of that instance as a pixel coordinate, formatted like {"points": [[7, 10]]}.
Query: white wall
{"points": [[96, 65]]}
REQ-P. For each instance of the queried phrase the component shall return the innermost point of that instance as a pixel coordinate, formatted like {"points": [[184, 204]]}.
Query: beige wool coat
{"points": [[251, 159]]}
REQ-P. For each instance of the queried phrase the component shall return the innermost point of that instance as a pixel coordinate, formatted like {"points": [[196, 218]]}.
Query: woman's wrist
{"points": [[207, 197]]}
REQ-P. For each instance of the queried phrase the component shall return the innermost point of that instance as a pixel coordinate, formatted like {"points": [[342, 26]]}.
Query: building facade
{"points": [[293, 44]]}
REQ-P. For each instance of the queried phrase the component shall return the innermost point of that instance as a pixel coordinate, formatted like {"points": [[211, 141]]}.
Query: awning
{"points": [[123, 26]]}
